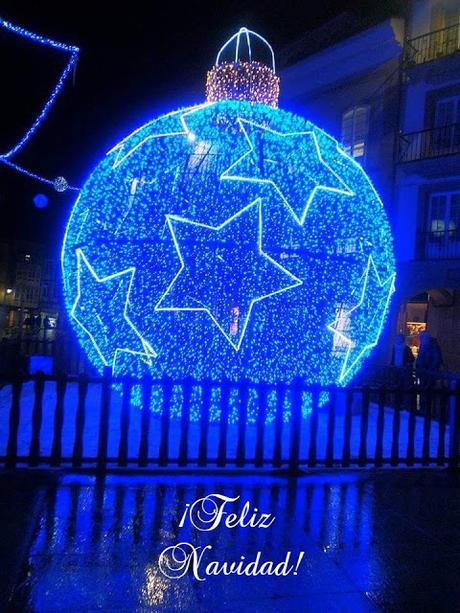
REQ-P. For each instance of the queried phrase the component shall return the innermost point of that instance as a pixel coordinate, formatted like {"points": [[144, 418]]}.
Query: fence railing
{"points": [[433, 45], [92, 422], [430, 143], [438, 244]]}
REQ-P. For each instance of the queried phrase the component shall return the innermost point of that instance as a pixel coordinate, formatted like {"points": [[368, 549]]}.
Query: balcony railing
{"points": [[433, 45], [444, 244], [431, 143]]}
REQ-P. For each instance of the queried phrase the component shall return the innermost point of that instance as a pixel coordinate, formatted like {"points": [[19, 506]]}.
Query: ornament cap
{"points": [[236, 75]]}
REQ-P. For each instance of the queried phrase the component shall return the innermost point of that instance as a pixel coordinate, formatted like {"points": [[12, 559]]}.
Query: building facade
{"points": [[29, 289], [391, 96]]}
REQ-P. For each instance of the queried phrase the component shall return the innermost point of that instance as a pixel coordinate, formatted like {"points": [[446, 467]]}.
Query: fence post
{"points": [[296, 423], [80, 421], [223, 425], [56, 451], [364, 426], [261, 415], [242, 421], [394, 461], [347, 429], [124, 423], [37, 416], [104, 418], [185, 421], [312, 451], [167, 387], [12, 449], [443, 400], [411, 398], [378, 458], [427, 426], [331, 427], [145, 421], [277, 449], [454, 424], [204, 423]]}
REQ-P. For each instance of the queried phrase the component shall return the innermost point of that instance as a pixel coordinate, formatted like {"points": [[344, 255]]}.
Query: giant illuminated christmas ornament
{"points": [[231, 239]]}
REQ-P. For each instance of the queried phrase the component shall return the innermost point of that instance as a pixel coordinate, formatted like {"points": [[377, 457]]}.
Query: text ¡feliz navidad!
{"points": [[207, 514]]}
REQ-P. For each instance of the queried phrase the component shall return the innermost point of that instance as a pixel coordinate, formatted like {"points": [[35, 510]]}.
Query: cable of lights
{"points": [[60, 184]]}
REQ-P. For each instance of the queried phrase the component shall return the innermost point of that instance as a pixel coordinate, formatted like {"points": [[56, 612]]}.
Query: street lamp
{"points": [[9, 290]]}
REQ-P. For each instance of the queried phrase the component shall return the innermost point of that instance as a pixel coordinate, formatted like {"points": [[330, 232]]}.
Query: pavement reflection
{"points": [[386, 540]]}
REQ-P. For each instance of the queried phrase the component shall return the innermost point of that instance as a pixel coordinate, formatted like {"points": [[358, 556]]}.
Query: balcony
{"points": [[433, 45], [431, 143], [438, 244]]}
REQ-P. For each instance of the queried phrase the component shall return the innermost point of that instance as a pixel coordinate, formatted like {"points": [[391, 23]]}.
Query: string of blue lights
{"points": [[60, 184]]}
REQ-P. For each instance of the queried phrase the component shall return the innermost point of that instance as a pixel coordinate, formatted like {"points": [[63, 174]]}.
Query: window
{"points": [[30, 293], [444, 40], [446, 135], [355, 128], [444, 14], [444, 217]]}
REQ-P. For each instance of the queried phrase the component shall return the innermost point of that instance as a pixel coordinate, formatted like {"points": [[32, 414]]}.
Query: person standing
{"points": [[403, 361], [429, 360]]}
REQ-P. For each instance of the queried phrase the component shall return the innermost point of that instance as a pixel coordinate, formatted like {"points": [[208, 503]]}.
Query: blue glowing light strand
{"points": [[148, 352], [171, 219], [33, 175], [47, 42], [355, 352], [308, 137]]}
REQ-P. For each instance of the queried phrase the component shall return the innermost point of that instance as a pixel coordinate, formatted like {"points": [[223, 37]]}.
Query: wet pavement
{"points": [[372, 540]]}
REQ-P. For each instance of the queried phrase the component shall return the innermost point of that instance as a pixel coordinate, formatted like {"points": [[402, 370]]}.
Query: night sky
{"points": [[135, 63]]}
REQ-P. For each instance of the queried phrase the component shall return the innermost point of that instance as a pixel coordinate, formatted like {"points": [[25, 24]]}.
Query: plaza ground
{"points": [[374, 540]]}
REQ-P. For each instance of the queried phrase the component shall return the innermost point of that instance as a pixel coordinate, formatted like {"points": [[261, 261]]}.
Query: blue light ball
{"points": [[229, 240], [40, 201]]}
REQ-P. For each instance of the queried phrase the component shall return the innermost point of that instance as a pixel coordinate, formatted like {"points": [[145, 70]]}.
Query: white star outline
{"points": [[149, 352], [390, 280], [300, 220], [258, 203], [122, 155]]}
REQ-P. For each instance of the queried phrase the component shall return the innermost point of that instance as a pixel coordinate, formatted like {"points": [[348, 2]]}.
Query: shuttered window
{"points": [[355, 129]]}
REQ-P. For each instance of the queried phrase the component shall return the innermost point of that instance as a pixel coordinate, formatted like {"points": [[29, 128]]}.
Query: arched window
{"points": [[355, 128]]}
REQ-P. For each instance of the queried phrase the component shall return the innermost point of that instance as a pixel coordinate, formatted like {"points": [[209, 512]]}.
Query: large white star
{"points": [[291, 162], [131, 143], [101, 309], [361, 334], [224, 271]]}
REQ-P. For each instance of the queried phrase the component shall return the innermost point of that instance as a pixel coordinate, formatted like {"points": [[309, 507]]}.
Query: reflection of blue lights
{"points": [[156, 204], [40, 201]]}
